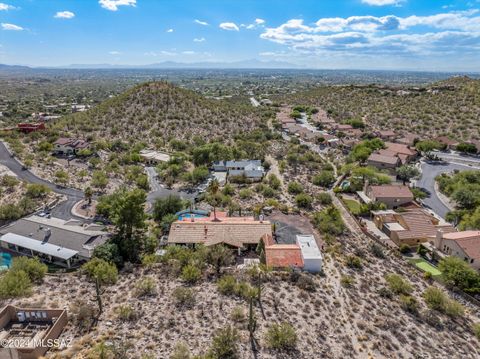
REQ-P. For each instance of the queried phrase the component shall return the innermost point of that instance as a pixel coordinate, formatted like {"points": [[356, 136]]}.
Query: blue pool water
{"points": [[5, 260], [189, 215]]}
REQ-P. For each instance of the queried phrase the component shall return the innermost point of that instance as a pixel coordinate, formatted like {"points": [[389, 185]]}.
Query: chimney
{"points": [[439, 239]]}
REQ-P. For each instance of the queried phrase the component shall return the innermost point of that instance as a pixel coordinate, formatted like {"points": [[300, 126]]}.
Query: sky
{"points": [[434, 35]]}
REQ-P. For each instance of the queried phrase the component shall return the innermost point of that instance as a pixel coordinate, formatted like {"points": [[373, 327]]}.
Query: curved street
{"points": [[427, 182]]}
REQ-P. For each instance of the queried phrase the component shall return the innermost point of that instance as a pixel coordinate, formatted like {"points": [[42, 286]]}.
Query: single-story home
{"points": [[237, 232], [152, 157], [448, 142], [53, 240], [464, 245], [387, 135], [69, 146], [251, 169], [31, 127], [383, 161], [392, 196], [412, 227]]}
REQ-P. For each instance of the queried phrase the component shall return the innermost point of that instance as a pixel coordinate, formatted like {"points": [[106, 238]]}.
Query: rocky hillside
{"points": [[450, 107], [161, 110]]}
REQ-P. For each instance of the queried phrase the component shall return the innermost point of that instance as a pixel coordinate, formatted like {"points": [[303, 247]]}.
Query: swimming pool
{"points": [[5, 261], [189, 215]]}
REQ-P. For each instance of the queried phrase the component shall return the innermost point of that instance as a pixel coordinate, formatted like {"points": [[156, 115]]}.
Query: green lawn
{"points": [[353, 206], [426, 267]]}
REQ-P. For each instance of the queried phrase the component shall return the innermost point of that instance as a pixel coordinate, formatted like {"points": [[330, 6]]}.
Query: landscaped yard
{"points": [[426, 267], [353, 206]]}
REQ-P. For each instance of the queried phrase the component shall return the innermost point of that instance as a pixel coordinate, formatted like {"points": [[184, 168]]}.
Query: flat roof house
{"points": [[412, 227], [53, 240], [311, 254], [464, 245], [152, 157], [27, 328], [251, 169], [237, 232], [392, 196], [278, 255]]}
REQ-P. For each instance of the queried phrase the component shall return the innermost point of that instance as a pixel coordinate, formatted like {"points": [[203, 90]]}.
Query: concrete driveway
{"points": [[427, 182]]}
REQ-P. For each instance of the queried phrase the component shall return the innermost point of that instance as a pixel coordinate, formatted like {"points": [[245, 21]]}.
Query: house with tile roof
{"points": [[278, 255], [69, 146], [237, 232], [392, 196], [464, 245], [382, 162], [412, 227]]}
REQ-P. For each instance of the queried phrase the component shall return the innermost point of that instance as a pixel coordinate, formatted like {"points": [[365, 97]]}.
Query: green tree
{"points": [[281, 337], [458, 273], [225, 344], [219, 256], [295, 188], [37, 190], [15, 284], [35, 269], [329, 221], [99, 180], [304, 200], [167, 206], [88, 195], [99, 270], [61, 177], [467, 148], [324, 179], [407, 173]]}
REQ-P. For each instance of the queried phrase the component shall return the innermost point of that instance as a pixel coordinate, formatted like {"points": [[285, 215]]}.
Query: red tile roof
{"points": [[469, 241], [391, 160], [391, 191], [400, 149], [282, 255]]}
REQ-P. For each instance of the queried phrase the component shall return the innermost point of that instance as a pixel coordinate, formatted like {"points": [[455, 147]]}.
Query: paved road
{"points": [[63, 210], [427, 181], [155, 185]]}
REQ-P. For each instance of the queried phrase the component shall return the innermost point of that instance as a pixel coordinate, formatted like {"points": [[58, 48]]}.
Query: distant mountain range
{"points": [[246, 64]]}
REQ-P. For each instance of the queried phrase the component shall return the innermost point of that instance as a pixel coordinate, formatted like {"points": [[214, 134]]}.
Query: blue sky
{"points": [[358, 34]]}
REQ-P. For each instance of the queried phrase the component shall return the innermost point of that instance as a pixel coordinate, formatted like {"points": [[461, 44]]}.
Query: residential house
{"points": [[53, 240], [386, 135], [278, 255], [404, 152], [383, 161], [30, 330], [311, 254], [342, 128], [69, 146], [303, 254], [251, 169], [392, 196], [152, 157], [237, 232], [447, 142], [464, 245], [31, 127], [411, 227], [408, 139]]}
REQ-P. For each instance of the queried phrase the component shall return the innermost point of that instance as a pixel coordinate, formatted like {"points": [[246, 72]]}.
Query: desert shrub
{"points": [[404, 248], [35, 269], [245, 193], [295, 188], [148, 260], [398, 285], [435, 298], [354, 262], [385, 292], [347, 281], [98, 269], [281, 337], [184, 297], [476, 330], [15, 284], [226, 285], [84, 314], [304, 200], [329, 221], [306, 282], [191, 274], [145, 286], [126, 313], [225, 344], [37, 190], [180, 351], [238, 315], [409, 303], [324, 198], [377, 251], [324, 179], [454, 309]]}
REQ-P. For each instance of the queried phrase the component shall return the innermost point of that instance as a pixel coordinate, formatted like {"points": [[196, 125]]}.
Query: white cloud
{"points": [[435, 34], [6, 7], [201, 39], [229, 26], [113, 5], [259, 21], [11, 27], [64, 15], [199, 22], [188, 52], [170, 30], [382, 2], [114, 53]]}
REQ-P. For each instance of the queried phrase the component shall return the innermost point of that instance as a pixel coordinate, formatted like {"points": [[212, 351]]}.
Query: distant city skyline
{"points": [[430, 35]]}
